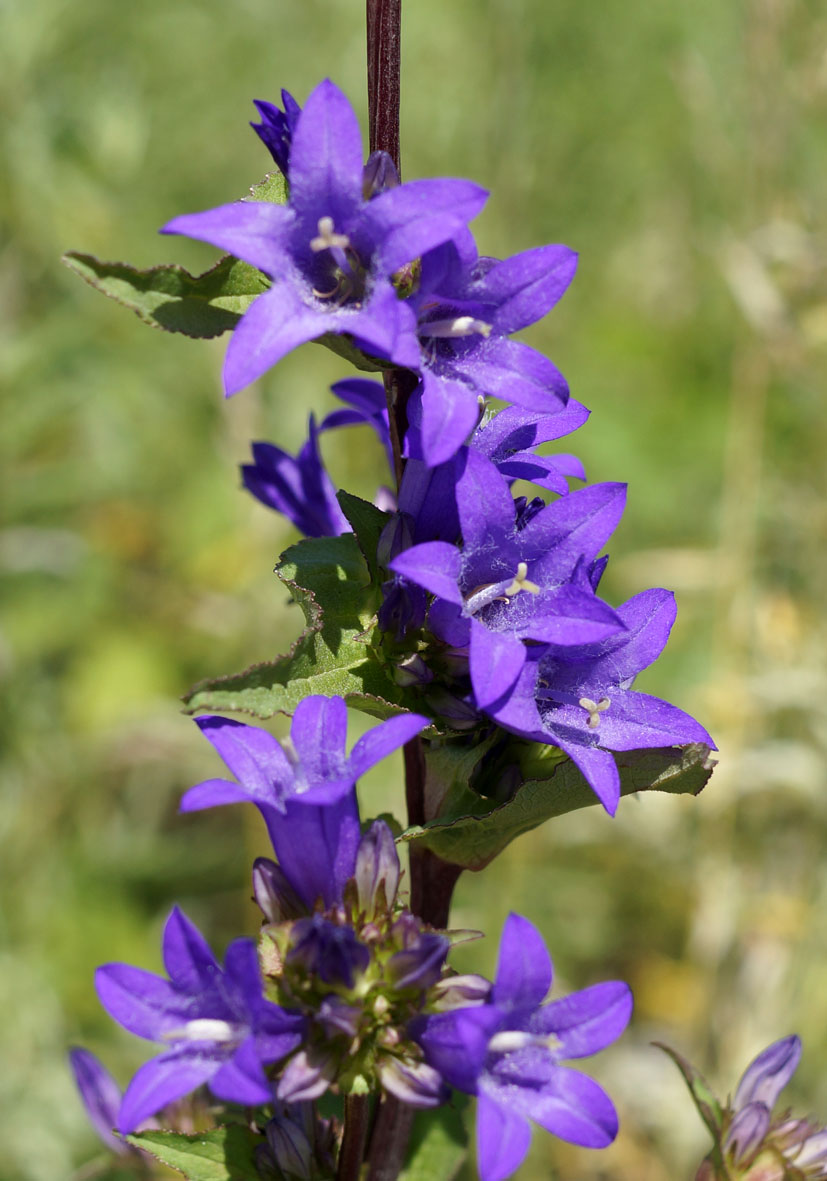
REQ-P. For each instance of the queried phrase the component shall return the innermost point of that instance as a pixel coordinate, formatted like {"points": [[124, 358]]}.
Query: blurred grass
{"points": [[680, 148]]}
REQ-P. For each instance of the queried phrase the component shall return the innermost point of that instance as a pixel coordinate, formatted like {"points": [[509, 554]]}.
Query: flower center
{"points": [[491, 592], [204, 1029], [326, 239], [521, 582], [509, 1040], [594, 709]]}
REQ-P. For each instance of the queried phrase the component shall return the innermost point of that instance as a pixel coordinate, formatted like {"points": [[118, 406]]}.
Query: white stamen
{"points": [[521, 582], [204, 1029], [594, 709], [459, 326], [515, 1039], [327, 240]]}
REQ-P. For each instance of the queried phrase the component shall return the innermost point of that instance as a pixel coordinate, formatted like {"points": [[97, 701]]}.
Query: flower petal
{"points": [[162, 1081], [450, 411], [325, 168], [435, 565], [524, 969], [142, 1002], [503, 1138], [526, 286], [253, 755], [189, 962], [636, 720], [768, 1074], [319, 733], [100, 1094], [586, 1021], [572, 1106], [419, 215], [241, 1078], [255, 231], [316, 846], [496, 660], [382, 741], [598, 767]]}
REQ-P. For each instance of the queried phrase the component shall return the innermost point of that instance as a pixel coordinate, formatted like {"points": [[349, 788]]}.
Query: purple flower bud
{"points": [[331, 952], [337, 1017], [768, 1074], [419, 965], [306, 1076], [377, 869], [272, 891], [458, 714], [403, 609], [459, 992], [414, 1083], [289, 1151], [412, 671], [398, 535], [276, 128], [380, 174], [100, 1095], [747, 1131]]}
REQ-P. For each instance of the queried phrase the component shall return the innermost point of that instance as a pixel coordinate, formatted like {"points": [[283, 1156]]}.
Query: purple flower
{"points": [[467, 309], [101, 1096], [583, 702], [367, 405], [299, 487], [305, 792], [217, 1025], [507, 1051], [330, 253], [508, 439], [511, 584], [276, 127]]}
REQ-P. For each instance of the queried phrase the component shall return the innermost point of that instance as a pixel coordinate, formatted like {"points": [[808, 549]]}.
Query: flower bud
{"points": [[412, 1082], [377, 870], [326, 950], [306, 1076], [459, 992], [272, 891], [379, 174]]}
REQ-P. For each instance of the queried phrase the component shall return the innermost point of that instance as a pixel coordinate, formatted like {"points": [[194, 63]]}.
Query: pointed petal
{"points": [[496, 660], [385, 325], [565, 617], [577, 525], [190, 964], [241, 1078], [486, 507], [275, 324], [524, 969], [598, 767], [526, 286], [768, 1074], [319, 734], [747, 1130], [436, 565], [100, 1094], [406, 221], [212, 793], [255, 231], [503, 1139], [450, 411], [635, 720], [573, 1107], [142, 1002], [456, 1043], [508, 369], [648, 618], [254, 757], [382, 741], [325, 169], [162, 1081], [587, 1021]]}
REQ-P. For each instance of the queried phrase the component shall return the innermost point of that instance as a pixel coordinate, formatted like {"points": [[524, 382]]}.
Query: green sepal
{"points": [[329, 579], [222, 1154], [469, 832], [367, 522], [709, 1108], [439, 1143], [170, 298]]}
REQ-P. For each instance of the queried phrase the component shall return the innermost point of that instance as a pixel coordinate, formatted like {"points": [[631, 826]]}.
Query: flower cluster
{"points": [[487, 613]]}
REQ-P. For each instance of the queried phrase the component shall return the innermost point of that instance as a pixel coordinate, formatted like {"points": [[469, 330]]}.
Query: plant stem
{"points": [[357, 1112], [389, 1140], [384, 26]]}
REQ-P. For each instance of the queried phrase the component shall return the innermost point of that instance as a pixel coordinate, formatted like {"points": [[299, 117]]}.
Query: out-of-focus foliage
{"points": [[680, 147]]}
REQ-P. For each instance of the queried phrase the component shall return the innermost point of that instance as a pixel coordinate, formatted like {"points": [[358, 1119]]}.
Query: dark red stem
{"points": [[384, 23]]}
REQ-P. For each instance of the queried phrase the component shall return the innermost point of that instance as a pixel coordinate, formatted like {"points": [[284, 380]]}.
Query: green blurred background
{"points": [[680, 148]]}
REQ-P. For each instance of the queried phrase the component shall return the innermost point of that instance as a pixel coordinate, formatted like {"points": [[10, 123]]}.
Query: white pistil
{"points": [[522, 583], [204, 1029], [327, 240], [459, 326], [594, 709], [510, 1040]]}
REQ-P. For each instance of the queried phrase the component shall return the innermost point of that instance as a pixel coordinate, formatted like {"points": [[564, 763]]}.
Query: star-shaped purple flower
{"points": [[583, 702], [330, 252], [509, 584], [508, 1052], [304, 792], [217, 1025]]}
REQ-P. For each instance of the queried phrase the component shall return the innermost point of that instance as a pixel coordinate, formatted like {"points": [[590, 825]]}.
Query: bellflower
{"points": [[468, 308], [583, 702], [299, 487], [508, 1052], [101, 1097], [276, 128], [507, 585], [304, 789], [330, 253], [217, 1025]]}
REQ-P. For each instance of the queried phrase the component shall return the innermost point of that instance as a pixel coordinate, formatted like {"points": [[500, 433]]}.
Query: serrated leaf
{"points": [[343, 346], [470, 833], [703, 1097], [222, 1154], [170, 298], [273, 189], [329, 579], [438, 1145], [367, 523]]}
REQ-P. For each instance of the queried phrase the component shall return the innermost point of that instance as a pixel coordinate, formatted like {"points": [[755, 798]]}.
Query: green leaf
{"points": [[367, 523], [470, 833], [273, 189], [706, 1102], [343, 346], [169, 297], [222, 1154], [438, 1145], [329, 579]]}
